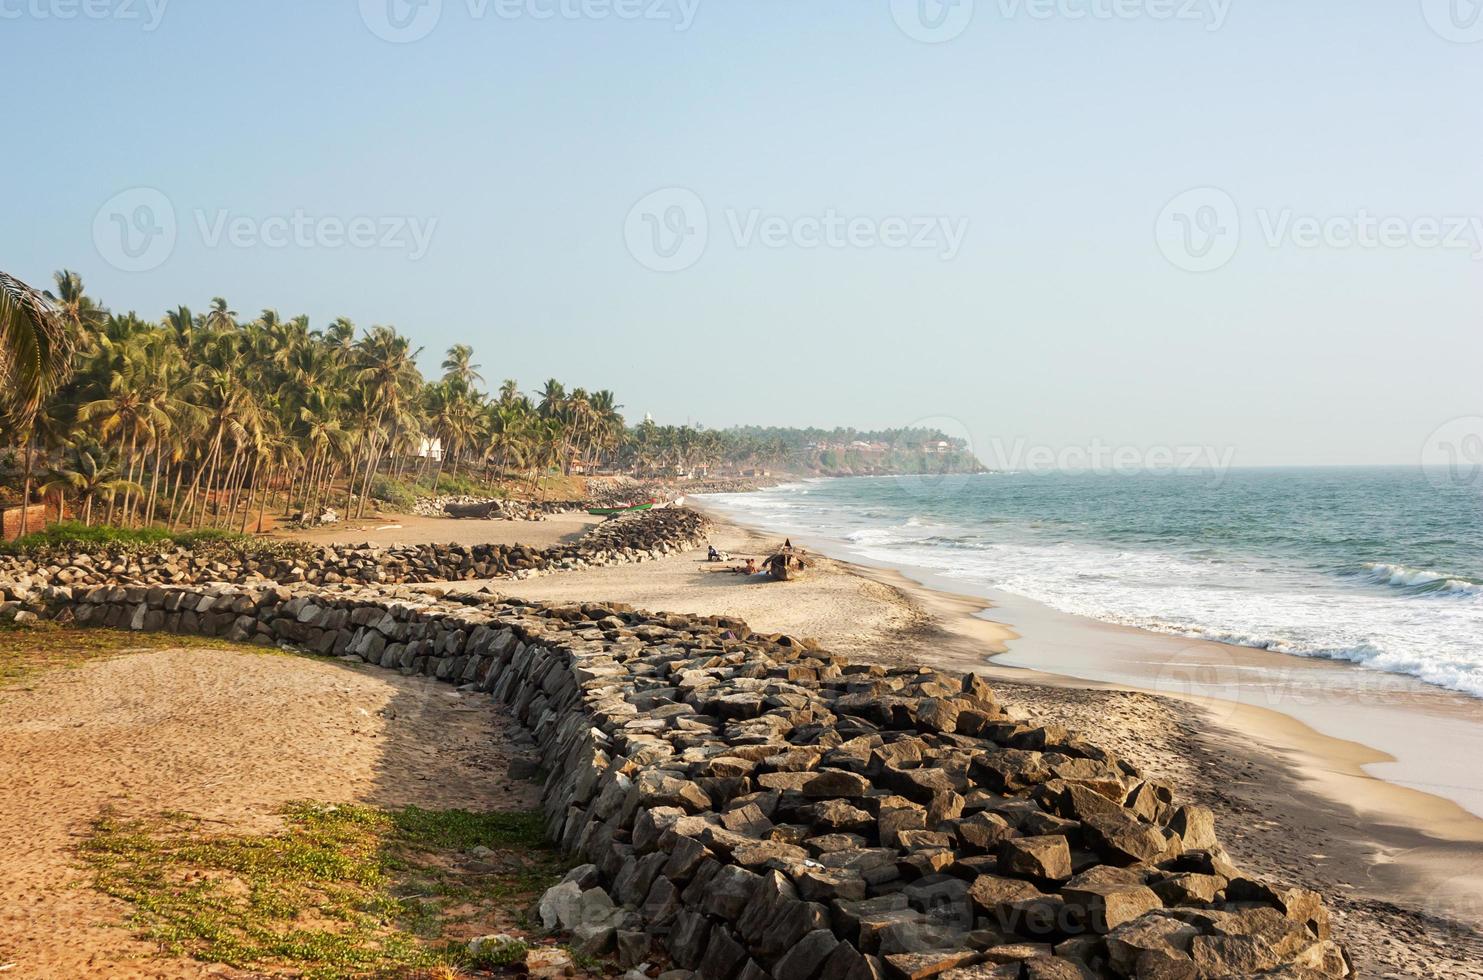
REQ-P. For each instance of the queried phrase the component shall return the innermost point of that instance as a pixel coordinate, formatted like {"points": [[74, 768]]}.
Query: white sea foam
{"points": [[1402, 576], [1387, 616]]}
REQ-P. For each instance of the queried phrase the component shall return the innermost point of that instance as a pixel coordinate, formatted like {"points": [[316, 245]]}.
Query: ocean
{"points": [[1379, 566]]}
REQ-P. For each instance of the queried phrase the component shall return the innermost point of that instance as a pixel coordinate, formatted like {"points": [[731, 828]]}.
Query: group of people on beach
{"points": [[776, 565]]}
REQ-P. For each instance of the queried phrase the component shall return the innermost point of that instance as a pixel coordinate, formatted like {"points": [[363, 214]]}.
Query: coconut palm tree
{"points": [[207, 417], [37, 338], [89, 474], [459, 366]]}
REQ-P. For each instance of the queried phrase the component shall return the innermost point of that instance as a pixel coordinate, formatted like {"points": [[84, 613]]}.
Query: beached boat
{"points": [[788, 564], [614, 511], [476, 511]]}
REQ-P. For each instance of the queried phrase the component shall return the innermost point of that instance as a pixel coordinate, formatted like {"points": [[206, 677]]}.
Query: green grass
{"points": [[69, 533], [28, 650], [344, 891], [402, 494]]}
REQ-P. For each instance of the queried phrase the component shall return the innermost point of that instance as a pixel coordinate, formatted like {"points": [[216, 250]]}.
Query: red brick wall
{"points": [[39, 517]]}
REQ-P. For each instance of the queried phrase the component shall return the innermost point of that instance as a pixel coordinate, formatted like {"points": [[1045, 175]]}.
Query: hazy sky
{"points": [[854, 212]]}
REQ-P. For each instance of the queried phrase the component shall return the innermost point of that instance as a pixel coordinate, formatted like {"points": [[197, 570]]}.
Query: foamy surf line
{"points": [[1386, 617]]}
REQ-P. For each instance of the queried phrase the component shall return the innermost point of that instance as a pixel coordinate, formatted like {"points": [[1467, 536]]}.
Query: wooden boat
{"points": [[615, 511], [787, 565], [475, 511]]}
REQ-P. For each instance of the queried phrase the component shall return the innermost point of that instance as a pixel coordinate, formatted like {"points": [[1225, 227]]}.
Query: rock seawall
{"points": [[760, 808], [500, 508], [638, 537]]}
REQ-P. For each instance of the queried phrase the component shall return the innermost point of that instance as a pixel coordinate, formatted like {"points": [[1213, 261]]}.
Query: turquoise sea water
{"points": [[1380, 566]]}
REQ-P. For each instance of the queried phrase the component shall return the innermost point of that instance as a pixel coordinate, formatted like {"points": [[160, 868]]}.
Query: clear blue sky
{"points": [[1052, 143]]}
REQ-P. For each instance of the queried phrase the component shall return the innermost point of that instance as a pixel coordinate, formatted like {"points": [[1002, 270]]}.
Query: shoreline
{"points": [[1396, 852], [1332, 700]]}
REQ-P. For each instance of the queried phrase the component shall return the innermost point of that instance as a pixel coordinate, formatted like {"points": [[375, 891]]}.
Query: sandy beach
{"points": [[392, 529], [228, 735], [1402, 868], [1399, 867]]}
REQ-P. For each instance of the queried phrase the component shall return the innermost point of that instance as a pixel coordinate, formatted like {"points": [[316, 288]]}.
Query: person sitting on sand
{"points": [[713, 554]]}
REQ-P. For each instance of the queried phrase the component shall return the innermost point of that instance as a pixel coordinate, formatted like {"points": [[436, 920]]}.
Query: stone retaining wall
{"points": [[632, 538], [502, 509], [760, 808]]}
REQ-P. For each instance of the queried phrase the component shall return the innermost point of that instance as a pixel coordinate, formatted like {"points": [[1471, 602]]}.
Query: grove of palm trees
{"points": [[210, 419], [213, 419]]}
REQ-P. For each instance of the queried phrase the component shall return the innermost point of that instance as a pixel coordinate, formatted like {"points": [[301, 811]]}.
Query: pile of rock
{"points": [[633, 538], [616, 491], [492, 508], [754, 807]]}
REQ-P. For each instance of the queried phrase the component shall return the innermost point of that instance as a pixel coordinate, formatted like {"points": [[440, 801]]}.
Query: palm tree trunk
{"points": [[113, 497], [213, 461], [306, 492], [175, 497], [229, 488], [257, 466], [372, 464], [263, 507], [26, 483], [154, 483]]}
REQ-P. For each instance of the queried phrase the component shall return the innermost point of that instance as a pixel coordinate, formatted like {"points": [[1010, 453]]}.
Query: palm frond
{"points": [[35, 347]]}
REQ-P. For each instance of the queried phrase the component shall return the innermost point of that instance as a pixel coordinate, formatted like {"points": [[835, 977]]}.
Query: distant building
{"points": [[431, 449]]}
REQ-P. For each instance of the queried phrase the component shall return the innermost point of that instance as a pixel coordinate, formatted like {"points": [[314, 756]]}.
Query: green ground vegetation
{"points": [[343, 891]]}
